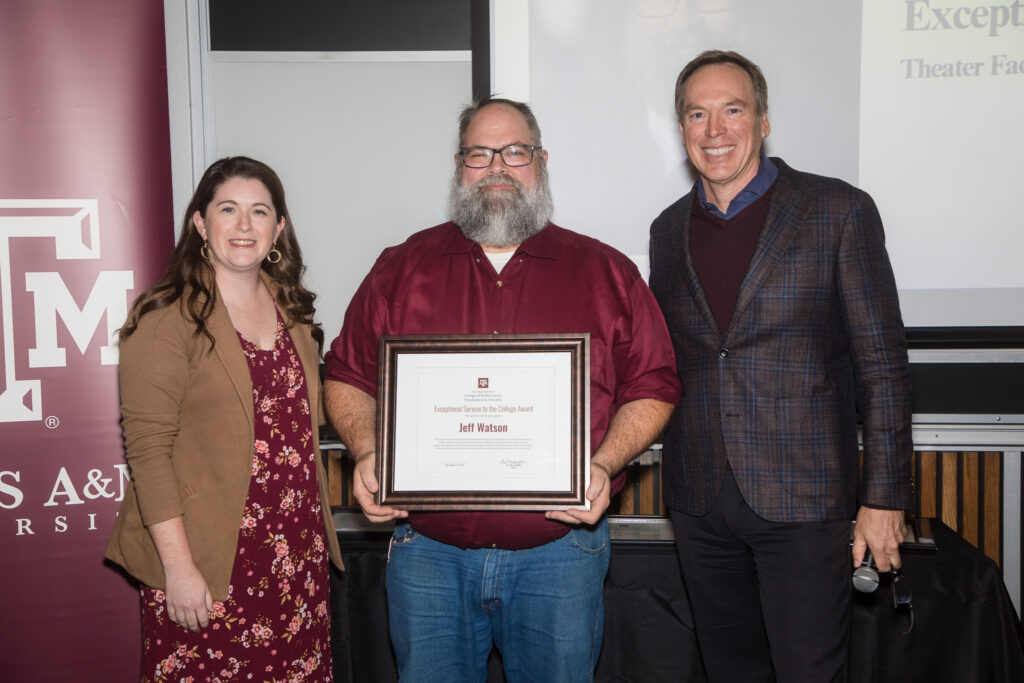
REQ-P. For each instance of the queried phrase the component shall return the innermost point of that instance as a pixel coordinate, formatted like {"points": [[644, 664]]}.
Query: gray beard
{"points": [[503, 221]]}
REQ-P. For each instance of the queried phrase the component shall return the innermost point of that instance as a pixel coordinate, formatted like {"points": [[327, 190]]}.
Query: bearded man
{"points": [[530, 583]]}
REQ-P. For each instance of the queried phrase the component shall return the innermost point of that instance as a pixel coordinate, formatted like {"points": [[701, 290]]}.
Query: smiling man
{"points": [[529, 582], [782, 305]]}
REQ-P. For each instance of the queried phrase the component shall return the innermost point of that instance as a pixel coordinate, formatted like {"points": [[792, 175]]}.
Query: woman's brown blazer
{"points": [[187, 414]]}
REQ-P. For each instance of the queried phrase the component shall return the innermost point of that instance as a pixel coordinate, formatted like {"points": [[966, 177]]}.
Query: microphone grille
{"points": [[865, 579]]}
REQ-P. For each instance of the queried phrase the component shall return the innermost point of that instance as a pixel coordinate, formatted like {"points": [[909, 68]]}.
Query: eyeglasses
{"points": [[512, 155]]}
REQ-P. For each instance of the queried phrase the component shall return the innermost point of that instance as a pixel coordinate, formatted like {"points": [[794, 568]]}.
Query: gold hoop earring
{"points": [[273, 256], [205, 250]]}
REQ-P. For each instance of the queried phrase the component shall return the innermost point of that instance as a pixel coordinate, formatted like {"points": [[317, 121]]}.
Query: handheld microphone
{"points": [[865, 577]]}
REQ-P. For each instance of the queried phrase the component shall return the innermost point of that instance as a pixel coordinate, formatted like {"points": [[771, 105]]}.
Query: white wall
{"points": [[937, 146], [363, 142], [364, 149]]}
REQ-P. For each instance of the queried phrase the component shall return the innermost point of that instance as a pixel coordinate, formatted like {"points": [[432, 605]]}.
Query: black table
{"points": [[965, 627]]}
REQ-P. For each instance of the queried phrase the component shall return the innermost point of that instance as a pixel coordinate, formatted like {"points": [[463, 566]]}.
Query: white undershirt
{"points": [[499, 259]]}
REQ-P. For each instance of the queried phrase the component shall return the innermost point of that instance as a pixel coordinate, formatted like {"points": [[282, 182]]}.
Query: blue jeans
{"points": [[543, 607]]}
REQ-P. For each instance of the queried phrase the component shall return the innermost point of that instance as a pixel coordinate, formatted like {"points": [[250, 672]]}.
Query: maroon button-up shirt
{"points": [[439, 282]]}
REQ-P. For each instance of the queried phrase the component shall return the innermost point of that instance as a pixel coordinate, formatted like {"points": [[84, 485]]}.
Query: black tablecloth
{"points": [[965, 627]]}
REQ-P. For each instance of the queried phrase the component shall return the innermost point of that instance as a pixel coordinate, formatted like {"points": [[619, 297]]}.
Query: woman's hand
{"points": [[188, 598], [187, 594]]}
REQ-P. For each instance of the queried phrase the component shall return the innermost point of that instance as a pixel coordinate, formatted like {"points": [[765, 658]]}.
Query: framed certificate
{"points": [[484, 422]]}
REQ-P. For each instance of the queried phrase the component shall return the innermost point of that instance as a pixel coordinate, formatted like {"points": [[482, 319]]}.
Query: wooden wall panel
{"points": [[969, 503], [949, 512], [339, 479], [641, 494], [963, 489], [925, 481], [335, 481], [625, 502]]}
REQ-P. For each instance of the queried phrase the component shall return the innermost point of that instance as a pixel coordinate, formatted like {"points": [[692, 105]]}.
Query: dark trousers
{"points": [[771, 601]]}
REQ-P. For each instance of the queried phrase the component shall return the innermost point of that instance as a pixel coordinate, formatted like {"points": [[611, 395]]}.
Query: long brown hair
{"points": [[188, 270]]}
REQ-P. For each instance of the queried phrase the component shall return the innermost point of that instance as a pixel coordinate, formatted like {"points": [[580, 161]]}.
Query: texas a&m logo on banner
{"points": [[72, 225]]}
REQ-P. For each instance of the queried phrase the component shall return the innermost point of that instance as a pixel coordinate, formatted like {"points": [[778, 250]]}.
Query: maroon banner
{"points": [[85, 225]]}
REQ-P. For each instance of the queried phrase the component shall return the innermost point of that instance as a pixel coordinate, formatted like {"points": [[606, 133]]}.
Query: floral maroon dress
{"points": [[275, 623]]}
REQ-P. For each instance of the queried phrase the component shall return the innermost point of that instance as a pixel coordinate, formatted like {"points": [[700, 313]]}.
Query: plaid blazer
{"points": [[815, 339]]}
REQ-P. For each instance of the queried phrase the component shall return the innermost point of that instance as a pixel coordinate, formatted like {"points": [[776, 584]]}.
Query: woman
{"points": [[226, 521]]}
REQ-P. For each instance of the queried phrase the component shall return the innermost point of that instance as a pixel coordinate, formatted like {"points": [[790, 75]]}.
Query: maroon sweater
{"points": [[721, 250]]}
